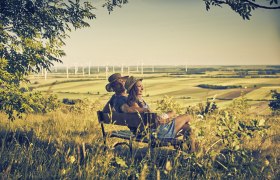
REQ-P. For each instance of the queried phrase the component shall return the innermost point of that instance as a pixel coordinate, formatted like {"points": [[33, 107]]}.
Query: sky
{"points": [[175, 32]]}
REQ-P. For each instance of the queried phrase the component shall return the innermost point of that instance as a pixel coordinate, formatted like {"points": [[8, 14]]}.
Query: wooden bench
{"points": [[145, 123]]}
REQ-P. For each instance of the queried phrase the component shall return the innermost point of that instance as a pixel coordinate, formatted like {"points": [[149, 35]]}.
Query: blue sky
{"points": [[167, 32]]}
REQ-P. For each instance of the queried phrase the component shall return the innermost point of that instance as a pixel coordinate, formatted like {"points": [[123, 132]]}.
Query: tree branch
{"points": [[261, 6], [251, 3]]}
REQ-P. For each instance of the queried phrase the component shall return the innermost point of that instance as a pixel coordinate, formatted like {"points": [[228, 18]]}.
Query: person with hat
{"points": [[116, 84], [170, 123]]}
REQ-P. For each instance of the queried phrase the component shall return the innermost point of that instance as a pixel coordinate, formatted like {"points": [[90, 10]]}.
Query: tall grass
{"points": [[67, 144]]}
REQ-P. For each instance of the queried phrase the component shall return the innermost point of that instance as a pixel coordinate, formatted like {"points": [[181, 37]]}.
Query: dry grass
{"points": [[68, 144]]}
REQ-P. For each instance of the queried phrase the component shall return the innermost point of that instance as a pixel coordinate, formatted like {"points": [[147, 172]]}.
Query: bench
{"points": [[145, 123]]}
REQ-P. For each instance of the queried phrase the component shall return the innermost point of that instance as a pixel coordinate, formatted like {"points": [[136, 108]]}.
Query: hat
{"points": [[130, 82], [114, 77]]}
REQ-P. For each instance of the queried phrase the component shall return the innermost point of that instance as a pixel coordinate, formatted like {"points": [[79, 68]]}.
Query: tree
{"points": [[32, 33], [243, 7], [274, 104], [111, 4]]}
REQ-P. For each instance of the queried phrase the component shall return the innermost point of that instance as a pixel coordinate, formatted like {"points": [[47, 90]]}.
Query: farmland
{"points": [[182, 87]]}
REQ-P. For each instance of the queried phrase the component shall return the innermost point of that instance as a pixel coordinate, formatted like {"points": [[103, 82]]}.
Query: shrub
{"points": [[168, 104], [274, 104], [15, 103], [202, 109], [69, 101]]}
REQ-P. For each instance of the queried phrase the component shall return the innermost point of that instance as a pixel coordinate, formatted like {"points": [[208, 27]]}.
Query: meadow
{"points": [[239, 140]]}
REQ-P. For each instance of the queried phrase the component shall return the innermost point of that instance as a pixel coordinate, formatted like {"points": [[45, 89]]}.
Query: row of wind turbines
{"points": [[88, 71]]}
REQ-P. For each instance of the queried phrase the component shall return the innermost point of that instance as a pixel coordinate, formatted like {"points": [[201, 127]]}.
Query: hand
{"points": [[146, 110], [162, 120]]}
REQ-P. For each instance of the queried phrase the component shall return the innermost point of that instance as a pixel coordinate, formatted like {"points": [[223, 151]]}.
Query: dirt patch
{"points": [[235, 93]]}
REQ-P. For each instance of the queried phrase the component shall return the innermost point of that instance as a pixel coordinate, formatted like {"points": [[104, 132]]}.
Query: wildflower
{"points": [[63, 171], [266, 162], [71, 159]]}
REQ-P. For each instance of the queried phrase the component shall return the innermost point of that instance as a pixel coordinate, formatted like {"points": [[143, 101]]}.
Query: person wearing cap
{"points": [[116, 84], [170, 124]]}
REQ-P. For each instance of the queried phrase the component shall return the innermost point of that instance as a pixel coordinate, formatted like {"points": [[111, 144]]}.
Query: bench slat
{"points": [[133, 120], [126, 134]]}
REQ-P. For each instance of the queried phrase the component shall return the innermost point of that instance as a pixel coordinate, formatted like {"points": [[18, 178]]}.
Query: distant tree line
{"points": [[269, 72], [258, 71], [238, 76], [273, 66], [209, 86]]}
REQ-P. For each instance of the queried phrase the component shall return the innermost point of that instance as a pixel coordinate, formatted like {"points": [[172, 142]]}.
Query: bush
{"points": [[70, 101], [274, 104], [16, 102], [167, 104], [202, 109]]}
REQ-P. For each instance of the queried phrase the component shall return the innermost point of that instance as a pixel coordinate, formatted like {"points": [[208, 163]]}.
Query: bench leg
{"points": [[105, 147], [130, 146], [104, 136]]}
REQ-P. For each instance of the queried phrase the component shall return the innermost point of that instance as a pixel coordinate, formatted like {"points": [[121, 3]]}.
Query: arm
{"points": [[166, 117], [133, 108], [171, 114]]}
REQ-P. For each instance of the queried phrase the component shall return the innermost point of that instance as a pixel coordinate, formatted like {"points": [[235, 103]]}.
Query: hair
{"points": [[132, 96], [118, 87]]}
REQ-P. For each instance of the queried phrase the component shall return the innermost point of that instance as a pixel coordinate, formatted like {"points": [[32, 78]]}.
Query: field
{"points": [[67, 143], [182, 88]]}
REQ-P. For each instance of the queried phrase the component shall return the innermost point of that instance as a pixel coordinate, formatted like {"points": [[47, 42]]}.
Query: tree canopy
{"points": [[32, 33], [243, 7]]}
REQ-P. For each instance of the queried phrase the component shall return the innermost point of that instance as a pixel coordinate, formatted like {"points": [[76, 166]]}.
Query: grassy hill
{"points": [[234, 142]]}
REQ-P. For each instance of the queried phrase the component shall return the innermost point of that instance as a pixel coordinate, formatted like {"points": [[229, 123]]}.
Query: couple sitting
{"points": [[121, 102]]}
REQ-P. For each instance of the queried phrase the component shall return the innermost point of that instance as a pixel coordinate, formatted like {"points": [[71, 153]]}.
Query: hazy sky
{"points": [[175, 32]]}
